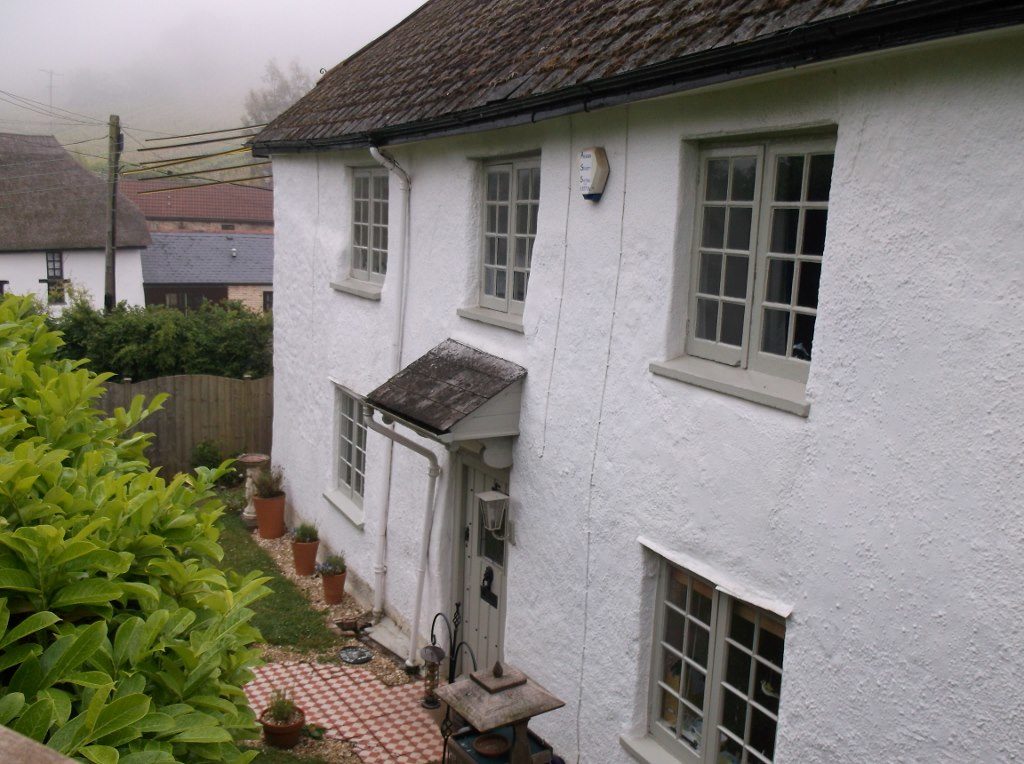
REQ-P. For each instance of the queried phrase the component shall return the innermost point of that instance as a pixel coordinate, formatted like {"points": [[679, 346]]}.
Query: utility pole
{"points": [[116, 143], [52, 75]]}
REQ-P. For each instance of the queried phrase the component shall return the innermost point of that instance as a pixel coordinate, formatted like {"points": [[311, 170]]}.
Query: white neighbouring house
{"points": [[757, 409], [53, 226]]}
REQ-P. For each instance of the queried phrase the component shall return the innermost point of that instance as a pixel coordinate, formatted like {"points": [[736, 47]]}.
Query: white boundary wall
{"points": [[891, 519]]}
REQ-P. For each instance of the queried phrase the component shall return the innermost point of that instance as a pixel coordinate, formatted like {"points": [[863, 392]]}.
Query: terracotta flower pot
{"points": [[270, 516], [283, 735], [334, 588], [304, 554]]}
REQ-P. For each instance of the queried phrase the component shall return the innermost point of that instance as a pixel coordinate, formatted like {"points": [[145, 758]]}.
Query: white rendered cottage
{"points": [[764, 459], [53, 226]]}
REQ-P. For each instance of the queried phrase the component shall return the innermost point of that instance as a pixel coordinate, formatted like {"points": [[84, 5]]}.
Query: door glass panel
{"points": [[490, 547]]}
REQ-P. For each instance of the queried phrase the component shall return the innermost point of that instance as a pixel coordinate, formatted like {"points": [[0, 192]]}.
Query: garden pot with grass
{"points": [[304, 546], [268, 499], [332, 571], [282, 721]]}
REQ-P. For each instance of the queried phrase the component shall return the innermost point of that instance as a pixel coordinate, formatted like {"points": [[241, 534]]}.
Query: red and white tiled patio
{"points": [[385, 725]]}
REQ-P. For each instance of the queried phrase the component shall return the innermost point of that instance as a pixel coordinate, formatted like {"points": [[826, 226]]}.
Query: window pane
{"points": [[770, 641], [741, 628], [676, 593], [522, 218], [523, 184], [521, 247], [501, 251], [489, 281], [732, 324], [714, 227], [736, 268], [492, 186], [820, 180], [535, 183], [789, 177], [734, 713], [697, 646], [504, 181], [737, 668], [700, 604], [707, 319], [807, 292], [739, 228], [803, 336], [718, 180], [519, 286], [784, 226], [669, 709], [710, 273], [744, 173], [774, 331], [674, 626], [767, 686], [691, 728], [731, 751], [502, 224], [380, 187], [779, 284], [762, 734], [492, 219], [814, 232], [499, 283]]}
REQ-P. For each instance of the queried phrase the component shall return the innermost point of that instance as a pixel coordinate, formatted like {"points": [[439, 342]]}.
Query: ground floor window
{"points": [[268, 301], [350, 456], [55, 278], [717, 673]]}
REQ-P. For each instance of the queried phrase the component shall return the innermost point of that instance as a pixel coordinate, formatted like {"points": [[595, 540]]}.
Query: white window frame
{"points": [[349, 478], [715, 685], [514, 233], [370, 252], [749, 354]]}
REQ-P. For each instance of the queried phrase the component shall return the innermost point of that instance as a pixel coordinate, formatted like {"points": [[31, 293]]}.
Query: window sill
{"points": [[352, 511], [757, 387], [368, 290], [646, 750], [508, 321]]}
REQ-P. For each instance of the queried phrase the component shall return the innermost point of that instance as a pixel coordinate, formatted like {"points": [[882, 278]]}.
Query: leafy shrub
{"points": [[206, 453], [222, 339], [306, 533], [120, 640]]}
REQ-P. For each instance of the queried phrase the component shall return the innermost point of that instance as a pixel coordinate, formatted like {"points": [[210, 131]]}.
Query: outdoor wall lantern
{"points": [[494, 507]]}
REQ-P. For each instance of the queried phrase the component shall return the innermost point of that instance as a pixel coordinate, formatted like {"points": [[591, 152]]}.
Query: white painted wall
{"points": [[85, 268], [892, 518]]}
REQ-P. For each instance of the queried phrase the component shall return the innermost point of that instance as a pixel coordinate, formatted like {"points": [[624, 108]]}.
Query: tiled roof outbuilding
{"points": [[221, 203], [209, 258]]}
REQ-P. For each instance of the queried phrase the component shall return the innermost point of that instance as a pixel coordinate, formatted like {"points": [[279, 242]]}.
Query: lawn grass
{"points": [[284, 617]]}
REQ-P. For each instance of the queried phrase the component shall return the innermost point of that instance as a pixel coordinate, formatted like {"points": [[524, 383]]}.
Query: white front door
{"points": [[483, 570]]}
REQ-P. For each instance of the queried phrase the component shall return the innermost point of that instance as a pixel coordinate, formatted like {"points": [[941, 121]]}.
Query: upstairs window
{"points": [[511, 202], [370, 224], [717, 673], [55, 292], [759, 241]]}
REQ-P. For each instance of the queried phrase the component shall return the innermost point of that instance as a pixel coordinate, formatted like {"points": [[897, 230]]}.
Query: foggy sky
{"points": [[168, 67]]}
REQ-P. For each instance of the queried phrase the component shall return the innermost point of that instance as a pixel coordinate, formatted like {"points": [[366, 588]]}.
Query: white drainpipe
{"points": [[404, 184], [428, 522]]}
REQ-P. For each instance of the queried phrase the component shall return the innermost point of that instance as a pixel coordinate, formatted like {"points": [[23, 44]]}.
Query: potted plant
{"points": [[268, 499], [305, 542], [282, 721], [332, 571]]}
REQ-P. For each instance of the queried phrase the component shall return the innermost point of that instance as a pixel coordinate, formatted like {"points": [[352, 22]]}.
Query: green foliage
{"points": [[269, 483], [334, 565], [284, 617], [206, 453], [222, 339], [281, 709], [120, 640], [306, 533]]}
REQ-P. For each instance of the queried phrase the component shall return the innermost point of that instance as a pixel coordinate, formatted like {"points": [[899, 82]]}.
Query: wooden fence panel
{"points": [[236, 414]]}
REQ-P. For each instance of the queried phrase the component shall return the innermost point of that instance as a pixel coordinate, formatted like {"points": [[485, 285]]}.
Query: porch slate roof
{"points": [[440, 389]]}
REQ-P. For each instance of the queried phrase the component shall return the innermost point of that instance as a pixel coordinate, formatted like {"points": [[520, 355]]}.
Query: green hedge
{"points": [[121, 642], [225, 340]]}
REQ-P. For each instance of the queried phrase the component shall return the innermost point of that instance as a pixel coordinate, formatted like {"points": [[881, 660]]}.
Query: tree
{"points": [[281, 89]]}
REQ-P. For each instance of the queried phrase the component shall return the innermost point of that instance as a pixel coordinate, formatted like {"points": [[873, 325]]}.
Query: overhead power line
{"points": [[206, 170], [209, 132], [196, 143], [156, 164], [213, 183], [41, 108]]}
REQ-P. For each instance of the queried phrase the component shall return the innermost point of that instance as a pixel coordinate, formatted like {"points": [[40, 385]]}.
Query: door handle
{"points": [[486, 594]]}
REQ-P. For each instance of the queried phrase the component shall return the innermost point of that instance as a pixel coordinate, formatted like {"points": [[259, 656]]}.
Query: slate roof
{"points": [[206, 258], [440, 389], [458, 65], [49, 201], [222, 203]]}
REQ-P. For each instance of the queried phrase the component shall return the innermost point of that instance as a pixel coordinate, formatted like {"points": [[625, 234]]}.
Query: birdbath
{"points": [[252, 463], [502, 696]]}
